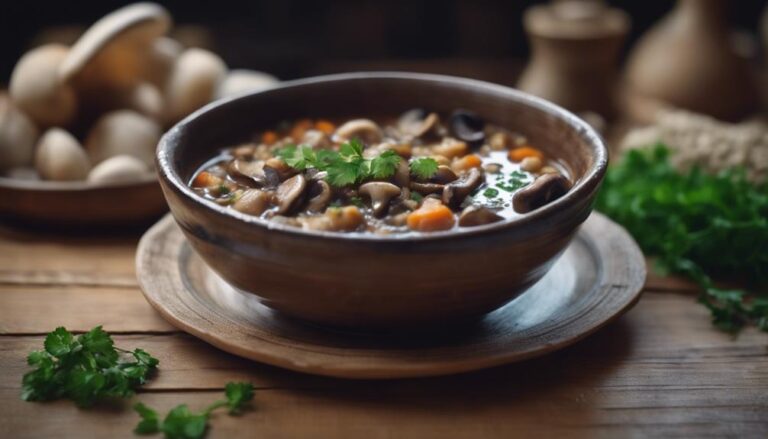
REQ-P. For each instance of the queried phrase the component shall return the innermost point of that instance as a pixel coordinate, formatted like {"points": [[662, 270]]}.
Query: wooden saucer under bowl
{"points": [[598, 278]]}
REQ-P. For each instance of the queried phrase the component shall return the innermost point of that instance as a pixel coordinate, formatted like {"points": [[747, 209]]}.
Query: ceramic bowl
{"points": [[368, 281]]}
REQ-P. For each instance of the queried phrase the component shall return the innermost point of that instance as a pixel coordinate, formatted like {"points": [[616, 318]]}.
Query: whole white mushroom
{"points": [[120, 168], [60, 157], [112, 52], [242, 81], [192, 82], [123, 132], [17, 136], [37, 89]]}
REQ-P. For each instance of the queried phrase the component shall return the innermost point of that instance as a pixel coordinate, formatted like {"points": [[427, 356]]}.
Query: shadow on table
{"points": [[565, 380]]}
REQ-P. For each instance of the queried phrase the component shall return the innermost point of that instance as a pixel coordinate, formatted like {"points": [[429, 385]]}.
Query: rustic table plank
{"points": [[29, 257], [38, 309]]}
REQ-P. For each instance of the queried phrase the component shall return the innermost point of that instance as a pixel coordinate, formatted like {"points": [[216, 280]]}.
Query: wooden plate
{"points": [[599, 277], [81, 203]]}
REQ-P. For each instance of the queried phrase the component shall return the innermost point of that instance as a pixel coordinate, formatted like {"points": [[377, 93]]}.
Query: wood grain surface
{"points": [[658, 371]]}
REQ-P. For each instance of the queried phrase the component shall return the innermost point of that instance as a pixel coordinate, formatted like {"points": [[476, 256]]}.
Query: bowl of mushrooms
{"points": [[79, 124], [360, 212]]}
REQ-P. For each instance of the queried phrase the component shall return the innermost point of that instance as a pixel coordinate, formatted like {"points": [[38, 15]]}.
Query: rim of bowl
{"points": [[582, 189]]}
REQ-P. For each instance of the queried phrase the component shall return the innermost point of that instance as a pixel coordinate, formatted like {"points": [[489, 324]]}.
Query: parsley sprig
{"points": [[698, 225], [345, 166], [84, 368], [424, 167], [182, 423]]}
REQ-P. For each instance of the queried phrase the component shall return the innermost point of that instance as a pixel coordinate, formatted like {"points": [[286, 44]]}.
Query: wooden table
{"points": [[659, 371]]}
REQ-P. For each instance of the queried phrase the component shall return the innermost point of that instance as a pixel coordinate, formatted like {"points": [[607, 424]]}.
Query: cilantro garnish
{"points": [[698, 225], [84, 368], [424, 167], [344, 167], [182, 423]]}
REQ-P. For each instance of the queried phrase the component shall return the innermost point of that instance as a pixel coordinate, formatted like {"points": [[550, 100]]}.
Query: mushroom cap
{"points": [[36, 89], [417, 122], [478, 215], [364, 129], [114, 45], [120, 168], [318, 202], [162, 55], [546, 188], [60, 157], [253, 202], [192, 82], [243, 81], [123, 132], [456, 191], [380, 193], [17, 136], [289, 193]]}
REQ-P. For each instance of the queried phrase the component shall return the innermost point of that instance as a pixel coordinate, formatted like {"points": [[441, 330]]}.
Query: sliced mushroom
{"points": [[444, 175], [248, 173], [253, 202], [315, 139], [320, 193], [544, 189], [455, 192], [289, 193], [364, 129], [477, 216], [467, 126], [403, 174], [417, 122], [380, 193], [427, 188]]}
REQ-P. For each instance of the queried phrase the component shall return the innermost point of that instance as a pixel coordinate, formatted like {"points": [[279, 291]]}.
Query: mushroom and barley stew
{"points": [[418, 173]]}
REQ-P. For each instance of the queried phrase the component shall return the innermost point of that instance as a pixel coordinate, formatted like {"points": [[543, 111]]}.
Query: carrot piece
{"points": [[431, 216], [347, 218], [325, 126], [467, 162], [269, 137], [299, 128], [206, 179], [518, 154]]}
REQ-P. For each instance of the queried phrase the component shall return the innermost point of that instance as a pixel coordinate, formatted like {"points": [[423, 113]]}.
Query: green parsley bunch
{"points": [[84, 368], [698, 225]]}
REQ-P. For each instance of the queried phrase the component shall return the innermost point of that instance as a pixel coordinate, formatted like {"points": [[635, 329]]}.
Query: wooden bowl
{"points": [[81, 204], [368, 281]]}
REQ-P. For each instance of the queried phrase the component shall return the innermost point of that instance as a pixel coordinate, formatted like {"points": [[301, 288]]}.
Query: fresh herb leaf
{"points": [[385, 164], [238, 394], [182, 423], [298, 157], [490, 193], [150, 422], [345, 167], [424, 167], [84, 369], [698, 225], [343, 173]]}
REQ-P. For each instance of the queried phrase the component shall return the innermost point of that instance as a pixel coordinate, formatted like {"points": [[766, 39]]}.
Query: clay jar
{"points": [[688, 61], [575, 46]]}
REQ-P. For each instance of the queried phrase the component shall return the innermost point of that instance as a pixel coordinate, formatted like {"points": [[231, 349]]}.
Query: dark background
{"points": [[293, 38]]}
